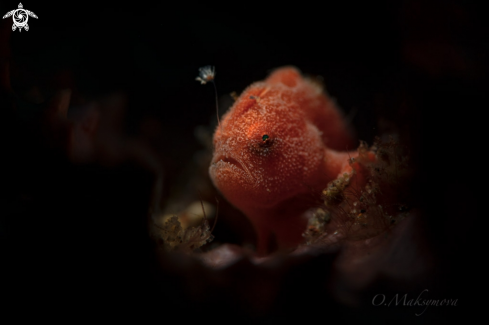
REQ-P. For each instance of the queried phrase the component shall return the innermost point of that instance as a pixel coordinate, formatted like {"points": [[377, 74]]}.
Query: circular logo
{"points": [[20, 17]]}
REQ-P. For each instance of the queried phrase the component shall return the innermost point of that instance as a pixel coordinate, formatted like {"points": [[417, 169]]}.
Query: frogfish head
{"points": [[266, 150]]}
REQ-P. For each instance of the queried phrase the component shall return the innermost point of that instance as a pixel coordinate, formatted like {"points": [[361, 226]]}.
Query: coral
{"points": [[183, 233], [367, 201]]}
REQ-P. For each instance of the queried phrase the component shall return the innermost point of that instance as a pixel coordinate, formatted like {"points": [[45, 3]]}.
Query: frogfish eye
{"points": [[266, 141]]}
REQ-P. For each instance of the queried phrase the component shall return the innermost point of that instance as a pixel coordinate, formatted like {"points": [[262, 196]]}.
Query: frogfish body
{"points": [[276, 149]]}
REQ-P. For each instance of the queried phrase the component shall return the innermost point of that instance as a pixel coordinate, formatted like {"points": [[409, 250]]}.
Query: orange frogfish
{"points": [[276, 149]]}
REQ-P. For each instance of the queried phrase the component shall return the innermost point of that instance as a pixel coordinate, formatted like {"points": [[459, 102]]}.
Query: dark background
{"points": [[415, 68]]}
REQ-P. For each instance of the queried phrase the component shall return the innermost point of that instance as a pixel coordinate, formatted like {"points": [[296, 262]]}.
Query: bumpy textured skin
{"points": [[275, 181]]}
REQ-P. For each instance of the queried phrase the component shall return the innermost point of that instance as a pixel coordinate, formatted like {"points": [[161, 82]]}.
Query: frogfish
{"points": [[277, 147]]}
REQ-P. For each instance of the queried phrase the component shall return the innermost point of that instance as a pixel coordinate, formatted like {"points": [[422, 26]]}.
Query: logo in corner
{"points": [[20, 17]]}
